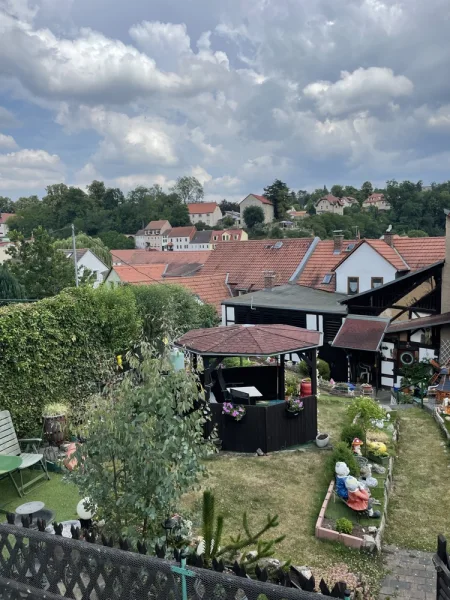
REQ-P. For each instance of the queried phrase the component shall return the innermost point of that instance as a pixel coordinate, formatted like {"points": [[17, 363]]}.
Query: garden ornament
{"points": [[356, 446], [342, 472], [82, 512], [358, 498], [377, 447]]}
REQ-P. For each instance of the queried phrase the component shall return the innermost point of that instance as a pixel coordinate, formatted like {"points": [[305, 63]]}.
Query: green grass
{"points": [[418, 507], [57, 495]]}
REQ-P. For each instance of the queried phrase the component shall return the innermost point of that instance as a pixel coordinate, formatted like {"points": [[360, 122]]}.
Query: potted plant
{"points": [[290, 390], [322, 440], [234, 411], [55, 422], [294, 406]]}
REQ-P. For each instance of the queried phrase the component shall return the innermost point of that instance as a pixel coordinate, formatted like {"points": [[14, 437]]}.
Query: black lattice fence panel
{"points": [[35, 565], [441, 561]]}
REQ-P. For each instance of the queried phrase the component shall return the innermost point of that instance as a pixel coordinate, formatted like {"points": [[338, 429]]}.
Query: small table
{"points": [[35, 510], [250, 390]]}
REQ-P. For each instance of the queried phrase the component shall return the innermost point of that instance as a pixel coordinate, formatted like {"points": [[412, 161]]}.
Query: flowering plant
{"points": [[294, 405], [237, 412]]}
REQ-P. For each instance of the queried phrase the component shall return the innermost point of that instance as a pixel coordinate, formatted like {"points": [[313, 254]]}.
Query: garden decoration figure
{"points": [[379, 447], [342, 472], [356, 446], [359, 499]]}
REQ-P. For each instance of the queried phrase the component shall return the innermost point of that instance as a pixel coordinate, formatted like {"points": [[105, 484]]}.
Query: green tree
{"points": [[85, 241], [96, 191], [366, 189], [116, 241], [363, 411], [226, 205], [7, 205], [253, 215], [10, 288], [276, 232], [39, 267], [189, 189], [227, 222], [144, 448], [338, 191], [279, 194], [417, 375], [416, 233]]}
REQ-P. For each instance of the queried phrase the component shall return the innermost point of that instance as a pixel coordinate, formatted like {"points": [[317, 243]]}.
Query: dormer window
{"points": [[327, 278]]}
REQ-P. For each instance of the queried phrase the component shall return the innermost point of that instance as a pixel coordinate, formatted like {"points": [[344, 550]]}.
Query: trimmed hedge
{"points": [[61, 349]]}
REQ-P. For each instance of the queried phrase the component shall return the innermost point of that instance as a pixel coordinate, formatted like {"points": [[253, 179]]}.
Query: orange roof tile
{"points": [[145, 257], [140, 273], [386, 251], [5, 216], [420, 252], [262, 199], [246, 261], [200, 208], [157, 224], [322, 261], [187, 231]]}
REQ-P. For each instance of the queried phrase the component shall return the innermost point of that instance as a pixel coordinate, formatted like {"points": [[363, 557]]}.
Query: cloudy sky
{"points": [[236, 92]]}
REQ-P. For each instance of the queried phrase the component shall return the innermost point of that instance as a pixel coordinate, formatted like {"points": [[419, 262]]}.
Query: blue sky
{"points": [[236, 93]]}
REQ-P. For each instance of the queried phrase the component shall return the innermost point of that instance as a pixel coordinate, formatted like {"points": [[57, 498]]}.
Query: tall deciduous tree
{"points": [[38, 266], [85, 241], [189, 189], [253, 215], [7, 205], [278, 193], [10, 288], [337, 190], [116, 241], [366, 189], [144, 447], [226, 206]]}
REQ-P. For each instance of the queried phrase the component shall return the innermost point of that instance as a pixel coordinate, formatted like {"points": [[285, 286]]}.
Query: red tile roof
{"points": [[157, 224], [374, 198], [420, 252], [201, 208], [249, 340], [262, 199], [386, 251], [320, 263], [246, 261], [140, 273], [331, 199], [361, 333], [5, 216], [144, 257], [211, 289], [188, 231]]}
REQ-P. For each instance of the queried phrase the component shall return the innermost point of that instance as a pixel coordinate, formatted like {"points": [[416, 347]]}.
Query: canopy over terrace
{"points": [[216, 343]]}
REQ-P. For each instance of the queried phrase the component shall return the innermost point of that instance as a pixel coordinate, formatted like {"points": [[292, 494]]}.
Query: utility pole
{"points": [[74, 248]]}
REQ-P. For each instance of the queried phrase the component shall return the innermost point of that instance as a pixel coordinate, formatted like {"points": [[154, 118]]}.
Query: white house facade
{"points": [[86, 259], [179, 238], [262, 202], [330, 204], [201, 240], [204, 212], [378, 201], [154, 236], [4, 229]]}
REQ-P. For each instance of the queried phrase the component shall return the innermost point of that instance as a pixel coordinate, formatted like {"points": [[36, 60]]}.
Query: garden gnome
{"points": [[342, 472], [358, 499], [356, 446]]}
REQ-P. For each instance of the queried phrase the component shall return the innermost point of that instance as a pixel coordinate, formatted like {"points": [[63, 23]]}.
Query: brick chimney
{"points": [[269, 279], [444, 355], [338, 242], [389, 238]]}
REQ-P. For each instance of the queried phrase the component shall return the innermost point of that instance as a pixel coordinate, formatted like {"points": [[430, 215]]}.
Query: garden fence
{"points": [[441, 561], [35, 565]]}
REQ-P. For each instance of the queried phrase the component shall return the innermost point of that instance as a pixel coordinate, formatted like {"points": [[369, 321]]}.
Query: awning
{"points": [[361, 333]]}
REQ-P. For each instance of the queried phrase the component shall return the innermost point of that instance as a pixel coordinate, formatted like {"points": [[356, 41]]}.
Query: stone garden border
{"points": [[440, 421]]}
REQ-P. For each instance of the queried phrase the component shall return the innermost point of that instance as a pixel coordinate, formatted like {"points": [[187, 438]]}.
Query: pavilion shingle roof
{"points": [[246, 261], [361, 333], [249, 340]]}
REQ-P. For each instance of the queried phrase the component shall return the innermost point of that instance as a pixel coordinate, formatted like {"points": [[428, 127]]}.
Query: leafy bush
{"points": [[341, 453], [364, 410], [322, 366], [303, 369], [343, 525], [234, 361], [350, 432]]}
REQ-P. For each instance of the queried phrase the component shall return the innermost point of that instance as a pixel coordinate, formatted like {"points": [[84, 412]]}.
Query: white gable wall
{"points": [[364, 263], [91, 262]]}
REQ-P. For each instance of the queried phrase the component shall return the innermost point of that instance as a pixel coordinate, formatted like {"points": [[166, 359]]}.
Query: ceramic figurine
{"points": [[356, 446], [359, 499], [342, 472]]}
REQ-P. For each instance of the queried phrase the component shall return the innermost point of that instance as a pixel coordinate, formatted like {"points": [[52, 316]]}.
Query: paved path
{"points": [[411, 574]]}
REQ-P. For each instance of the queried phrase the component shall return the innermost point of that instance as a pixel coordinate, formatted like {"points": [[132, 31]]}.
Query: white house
{"points": [[179, 238], [154, 236], [201, 240], [377, 200], [205, 212], [262, 202], [369, 264], [330, 204], [3, 226], [86, 259]]}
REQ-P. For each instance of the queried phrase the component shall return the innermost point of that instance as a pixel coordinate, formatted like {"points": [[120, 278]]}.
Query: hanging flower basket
{"points": [[235, 412], [294, 407]]}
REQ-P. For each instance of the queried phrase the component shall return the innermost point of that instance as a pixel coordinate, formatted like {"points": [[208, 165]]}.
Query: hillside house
{"points": [[153, 236], [205, 212], [262, 202], [4, 229], [228, 235], [378, 201], [201, 241], [330, 204], [179, 238]]}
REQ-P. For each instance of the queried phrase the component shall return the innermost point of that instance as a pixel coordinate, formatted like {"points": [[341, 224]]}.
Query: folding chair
{"points": [[10, 446]]}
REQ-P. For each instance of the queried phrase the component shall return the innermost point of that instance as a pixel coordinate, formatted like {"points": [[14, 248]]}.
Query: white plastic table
{"points": [[29, 508], [250, 390]]}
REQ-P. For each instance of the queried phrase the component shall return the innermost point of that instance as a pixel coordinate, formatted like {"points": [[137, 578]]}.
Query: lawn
{"points": [[418, 509]]}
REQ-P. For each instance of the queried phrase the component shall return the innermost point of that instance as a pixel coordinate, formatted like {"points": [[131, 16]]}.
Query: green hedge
{"points": [[59, 349]]}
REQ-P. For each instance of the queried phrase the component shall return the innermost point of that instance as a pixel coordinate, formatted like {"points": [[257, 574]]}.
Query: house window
{"points": [[353, 285], [376, 282], [215, 238], [327, 278], [236, 237]]}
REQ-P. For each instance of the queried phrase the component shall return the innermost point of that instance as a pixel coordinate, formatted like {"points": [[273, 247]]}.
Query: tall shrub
{"points": [[57, 349]]}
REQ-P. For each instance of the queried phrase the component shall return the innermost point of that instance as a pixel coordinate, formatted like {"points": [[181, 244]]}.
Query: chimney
{"points": [[389, 238], [338, 241], [269, 279], [444, 355]]}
